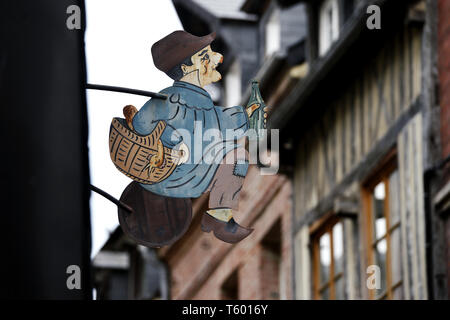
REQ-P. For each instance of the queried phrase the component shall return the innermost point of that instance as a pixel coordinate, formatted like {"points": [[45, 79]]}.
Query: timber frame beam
{"points": [[354, 48], [363, 169]]}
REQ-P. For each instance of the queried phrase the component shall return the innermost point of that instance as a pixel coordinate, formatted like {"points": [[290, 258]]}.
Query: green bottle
{"points": [[256, 121]]}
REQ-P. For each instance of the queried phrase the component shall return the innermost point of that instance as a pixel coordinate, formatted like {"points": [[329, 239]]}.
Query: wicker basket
{"points": [[131, 153]]}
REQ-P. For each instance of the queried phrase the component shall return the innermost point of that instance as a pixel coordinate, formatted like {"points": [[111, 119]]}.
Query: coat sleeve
{"points": [[150, 114], [233, 119]]}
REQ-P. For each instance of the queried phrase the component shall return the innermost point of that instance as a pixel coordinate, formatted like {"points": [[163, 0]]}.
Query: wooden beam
{"points": [[111, 260], [363, 168]]}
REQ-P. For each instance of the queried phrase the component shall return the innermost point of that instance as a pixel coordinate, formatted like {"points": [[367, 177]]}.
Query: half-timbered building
{"points": [[358, 138]]}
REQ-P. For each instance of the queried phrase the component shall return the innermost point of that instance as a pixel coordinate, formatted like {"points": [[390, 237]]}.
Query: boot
{"points": [[230, 231]]}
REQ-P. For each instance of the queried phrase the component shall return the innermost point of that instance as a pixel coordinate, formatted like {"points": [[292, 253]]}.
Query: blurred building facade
{"points": [[124, 270], [362, 145], [441, 175], [360, 207], [358, 155]]}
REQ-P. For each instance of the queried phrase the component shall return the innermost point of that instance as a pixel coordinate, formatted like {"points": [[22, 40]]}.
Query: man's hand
{"points": [[255, 107]]}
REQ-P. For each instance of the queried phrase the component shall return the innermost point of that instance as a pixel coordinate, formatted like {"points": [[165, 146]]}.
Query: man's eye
{"points": [[205, 57]]}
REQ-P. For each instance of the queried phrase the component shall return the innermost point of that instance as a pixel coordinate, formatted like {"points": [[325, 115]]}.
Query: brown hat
{"points": [[177, 46]]}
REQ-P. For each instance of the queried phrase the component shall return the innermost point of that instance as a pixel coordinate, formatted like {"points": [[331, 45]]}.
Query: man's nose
{"points": [[218, 57]]}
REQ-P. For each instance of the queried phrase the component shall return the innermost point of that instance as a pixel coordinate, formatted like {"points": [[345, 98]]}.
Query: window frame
{"points": [[333, 24], [272, 33], [232, 84], [381, 174], [316, 231]]}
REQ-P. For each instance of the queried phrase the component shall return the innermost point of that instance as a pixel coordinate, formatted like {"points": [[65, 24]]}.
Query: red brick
{"points": [[444, 73]]}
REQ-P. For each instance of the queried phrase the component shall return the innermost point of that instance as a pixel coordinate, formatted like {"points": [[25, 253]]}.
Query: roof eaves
{"points": [[239, 16], [196, 10], [271, 65], [319, 70]]}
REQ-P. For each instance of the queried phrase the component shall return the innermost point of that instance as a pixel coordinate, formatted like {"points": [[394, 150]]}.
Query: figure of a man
{"points": [[188, 111]]}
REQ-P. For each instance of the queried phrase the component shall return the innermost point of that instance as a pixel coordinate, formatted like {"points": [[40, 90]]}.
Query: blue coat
{"points": [[189, 112]]}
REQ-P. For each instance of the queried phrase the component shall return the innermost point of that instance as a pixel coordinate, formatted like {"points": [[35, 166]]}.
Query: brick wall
{"points": [[202, 265], [444, 97], [444, 72], [270, 274]]}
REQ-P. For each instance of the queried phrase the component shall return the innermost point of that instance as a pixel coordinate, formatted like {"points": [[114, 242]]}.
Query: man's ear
{"points": [[184, 68]]}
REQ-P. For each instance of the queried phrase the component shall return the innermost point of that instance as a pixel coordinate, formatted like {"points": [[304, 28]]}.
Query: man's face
{"points": [[205, 62]]}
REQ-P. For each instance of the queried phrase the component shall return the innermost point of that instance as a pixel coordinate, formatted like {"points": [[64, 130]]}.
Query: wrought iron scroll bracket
{"points": [[126, 90], [111, 198]]}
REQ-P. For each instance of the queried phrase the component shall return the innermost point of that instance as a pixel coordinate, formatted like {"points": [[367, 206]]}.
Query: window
{"points": [[382, 214], [328, 261], [328, 25], [229, 289], [271, 265], [347, 6], [233, 85], [273, 33]]}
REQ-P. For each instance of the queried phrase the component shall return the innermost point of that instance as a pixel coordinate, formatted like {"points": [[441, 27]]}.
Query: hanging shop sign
{"points": [[179, 145]]}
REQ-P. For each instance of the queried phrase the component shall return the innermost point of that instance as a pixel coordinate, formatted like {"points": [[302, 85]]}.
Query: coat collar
{"points": [[192, 87]]}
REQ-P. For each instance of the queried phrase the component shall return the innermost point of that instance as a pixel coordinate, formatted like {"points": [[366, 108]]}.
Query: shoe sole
{"points": [[220, 235]]}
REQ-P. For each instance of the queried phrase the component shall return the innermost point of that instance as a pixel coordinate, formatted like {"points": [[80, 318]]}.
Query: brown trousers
{"points": [[227, 183]]}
